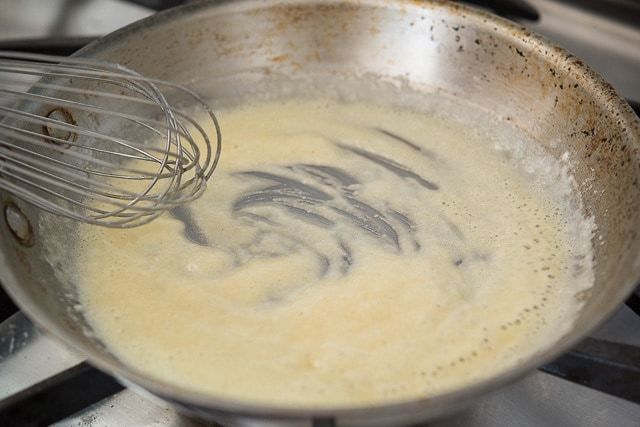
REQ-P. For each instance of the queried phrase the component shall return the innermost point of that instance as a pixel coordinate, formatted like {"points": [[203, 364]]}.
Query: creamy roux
{"points": [[344, 254]]}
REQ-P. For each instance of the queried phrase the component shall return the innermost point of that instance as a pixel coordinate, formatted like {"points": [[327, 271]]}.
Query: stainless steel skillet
{"points": [[222, 49]]}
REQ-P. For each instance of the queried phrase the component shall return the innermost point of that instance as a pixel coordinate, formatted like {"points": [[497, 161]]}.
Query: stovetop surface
{"points": [[611, 47]]}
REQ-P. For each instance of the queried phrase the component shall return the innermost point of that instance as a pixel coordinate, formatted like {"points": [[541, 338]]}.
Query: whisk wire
{"points": [[142, 175], [85, 132]]}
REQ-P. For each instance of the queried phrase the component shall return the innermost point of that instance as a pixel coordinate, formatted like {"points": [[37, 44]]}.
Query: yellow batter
{"points": [[344, 254]]}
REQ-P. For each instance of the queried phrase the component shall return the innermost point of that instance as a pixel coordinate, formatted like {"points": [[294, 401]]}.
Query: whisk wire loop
{"points": [[100, 143]]}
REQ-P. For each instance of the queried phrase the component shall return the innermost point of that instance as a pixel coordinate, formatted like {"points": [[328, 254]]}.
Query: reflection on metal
{"points": [[18, 224], [602, 365], [58, 134]]}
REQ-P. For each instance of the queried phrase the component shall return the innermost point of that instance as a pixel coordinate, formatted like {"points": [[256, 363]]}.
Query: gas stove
{"points": [[42, 382]]}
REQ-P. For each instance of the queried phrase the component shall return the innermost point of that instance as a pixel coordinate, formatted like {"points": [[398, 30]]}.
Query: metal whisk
{"points": [[98, 142]]}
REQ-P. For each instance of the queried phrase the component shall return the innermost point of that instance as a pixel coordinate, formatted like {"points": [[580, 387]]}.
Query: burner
{"points": [[512, 9], [7, 307], [58, 397], [624, 11]]}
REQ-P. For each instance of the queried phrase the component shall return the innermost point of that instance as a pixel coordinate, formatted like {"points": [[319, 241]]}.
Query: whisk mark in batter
{"points": [[391, 165], [430, 154]]}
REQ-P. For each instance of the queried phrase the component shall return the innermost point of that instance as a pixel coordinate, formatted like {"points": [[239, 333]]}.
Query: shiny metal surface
{"points": [[606, 45], [222, 49]]}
